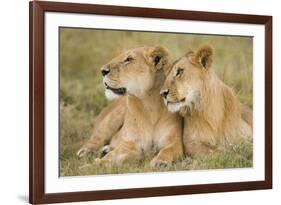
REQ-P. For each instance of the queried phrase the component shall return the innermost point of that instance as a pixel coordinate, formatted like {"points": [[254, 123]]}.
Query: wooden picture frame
{"points": [[37, 10]]}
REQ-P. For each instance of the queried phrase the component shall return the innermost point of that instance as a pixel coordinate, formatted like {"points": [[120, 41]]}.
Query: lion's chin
{"points": [[110, 95], [175, 107]]}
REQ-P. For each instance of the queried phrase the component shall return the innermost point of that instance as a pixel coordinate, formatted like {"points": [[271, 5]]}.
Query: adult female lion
{"points": [[212, 113], [138, 75]]}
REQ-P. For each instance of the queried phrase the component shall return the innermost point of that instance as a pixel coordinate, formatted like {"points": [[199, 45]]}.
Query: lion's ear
{"points": [[204, 56], [158, 57]]}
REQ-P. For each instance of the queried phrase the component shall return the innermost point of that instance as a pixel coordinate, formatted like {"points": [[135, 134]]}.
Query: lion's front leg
{"points": [[123, 153], [167, 155], [169, 140], [108, 123], [199, 142]]}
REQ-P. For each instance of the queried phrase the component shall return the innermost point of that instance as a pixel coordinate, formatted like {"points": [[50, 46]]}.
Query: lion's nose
{"points": [[105, 70], [164, 93]]}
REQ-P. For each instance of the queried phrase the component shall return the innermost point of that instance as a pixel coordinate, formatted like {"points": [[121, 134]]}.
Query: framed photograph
{"points": [[138, 102]]}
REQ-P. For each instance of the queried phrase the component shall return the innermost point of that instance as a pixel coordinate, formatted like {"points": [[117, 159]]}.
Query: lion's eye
{"points": [[128, 59], [179, 72]]}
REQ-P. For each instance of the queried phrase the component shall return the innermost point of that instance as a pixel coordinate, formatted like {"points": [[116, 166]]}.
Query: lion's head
{"points": [[134, 71], [183, 87]]}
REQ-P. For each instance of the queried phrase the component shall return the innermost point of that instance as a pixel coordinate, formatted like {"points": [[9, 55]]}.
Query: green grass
{"points": [[236, 156], [84, 51]]}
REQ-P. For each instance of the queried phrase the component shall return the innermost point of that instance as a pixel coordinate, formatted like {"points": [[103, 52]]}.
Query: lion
{"points": [[108, 124], [135, 78], [213, 114]]}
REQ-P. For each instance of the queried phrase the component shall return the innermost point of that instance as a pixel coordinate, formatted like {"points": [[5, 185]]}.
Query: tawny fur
{"points": [[147, 124], [212, 113], [107, 127]]}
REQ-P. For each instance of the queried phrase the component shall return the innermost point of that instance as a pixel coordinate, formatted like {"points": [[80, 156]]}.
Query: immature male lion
{"points": [[212, 113], [138, 75]]}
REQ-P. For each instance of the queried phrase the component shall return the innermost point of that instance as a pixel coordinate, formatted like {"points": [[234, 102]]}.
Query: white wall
{"points": [[14, 100]]}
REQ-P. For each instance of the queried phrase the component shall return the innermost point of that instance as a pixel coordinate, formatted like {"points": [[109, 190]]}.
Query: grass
{"points": [[84, 51], [235, 156]]}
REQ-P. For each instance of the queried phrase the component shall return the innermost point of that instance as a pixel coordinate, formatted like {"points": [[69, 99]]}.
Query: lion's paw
{"points": [[160, 164], [83, 151], [87, 148], [104, 150]]}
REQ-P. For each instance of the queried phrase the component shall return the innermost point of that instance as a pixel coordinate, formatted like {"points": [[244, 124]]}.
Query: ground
{"points": [[84, 51]]}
